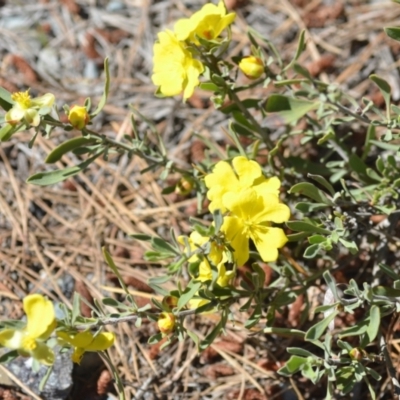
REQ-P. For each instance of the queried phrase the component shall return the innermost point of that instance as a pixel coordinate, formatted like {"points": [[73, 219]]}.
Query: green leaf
{"points": [[6, 102], [330, 281], [316, 239], [374, 323], [287, 332], [76, 307], [302, 226], [9, 356], [311, 191], [209, 86], [298, 351], [385, 146], [234, 108], [163, 246], [293, 365], [141, 237], [52, 177], [103, 99], [323, 182], [316, 331], [393, 31], [296, 237], [385, 89], [6, 132], [289, 108], [311, 251], [389, 271], [355, 330], [255, 317], [209, 339], [301, 45], [307, 208], [194, 337], [72, 144], [351, 246], [111, 264], [192, 288], [155, 338]]}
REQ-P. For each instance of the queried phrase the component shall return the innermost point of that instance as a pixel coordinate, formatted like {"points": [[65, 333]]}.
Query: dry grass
{"points": [[50, 238]]}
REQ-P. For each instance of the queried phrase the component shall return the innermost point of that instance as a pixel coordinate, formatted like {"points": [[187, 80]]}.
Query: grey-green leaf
{"points": [[316, 331], [71, 144]]}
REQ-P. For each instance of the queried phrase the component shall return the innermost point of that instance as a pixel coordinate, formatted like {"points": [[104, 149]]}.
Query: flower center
{"points": [[29, 343], [23, 99]]}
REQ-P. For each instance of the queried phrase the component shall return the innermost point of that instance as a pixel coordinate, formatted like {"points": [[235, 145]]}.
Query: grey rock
{"points": [[59, 382]]}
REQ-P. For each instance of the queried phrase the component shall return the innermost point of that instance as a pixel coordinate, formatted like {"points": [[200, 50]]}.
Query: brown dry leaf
{"points": [[72, 6], [104, 382], [269, 365], [295, 311], [248, 394], [197, 151], [21, 65], [154, 351], [235, 4], [137, 284], [216, 370], [89, 47], [324, 63], [229, 344], [324, 13]]}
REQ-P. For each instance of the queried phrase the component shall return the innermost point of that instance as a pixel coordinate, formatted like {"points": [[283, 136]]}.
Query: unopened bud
{"points": [[166, 323], [184, 186], [78, 117], [357, 353], [252, 67], [170, 302]]}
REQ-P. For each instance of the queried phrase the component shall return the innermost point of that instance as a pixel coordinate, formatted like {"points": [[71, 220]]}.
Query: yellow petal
{"points": [[43, 354], [11, 338], [273, 210], [235, 233], [47, 100], [40, 316], [247, 170], [102, 341], [267, 241], [80, 339]]}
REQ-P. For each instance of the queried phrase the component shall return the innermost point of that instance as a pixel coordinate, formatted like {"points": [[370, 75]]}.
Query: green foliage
{"points": [[336, 191]]}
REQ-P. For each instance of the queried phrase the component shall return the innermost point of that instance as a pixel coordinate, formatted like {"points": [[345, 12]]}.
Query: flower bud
{"points": [[357, 353], [252, 67], [184, 186], [166, 323], [78, 117], [170, 302]]}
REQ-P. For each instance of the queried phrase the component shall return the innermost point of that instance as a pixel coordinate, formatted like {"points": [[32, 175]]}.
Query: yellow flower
{"points": [[86, 341], [252, 67], [78, 117], [26, 109], [175, 70], [251, 214], [30, 341], [166, 323], [217, 256], [208, 23], [245, 174]]}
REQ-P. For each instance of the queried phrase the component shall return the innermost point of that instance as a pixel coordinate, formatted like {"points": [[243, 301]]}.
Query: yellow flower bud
{"points": [[357, 354], [184, 186], [166, 323], [252, 67], [170, 302], [78, 117]]}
